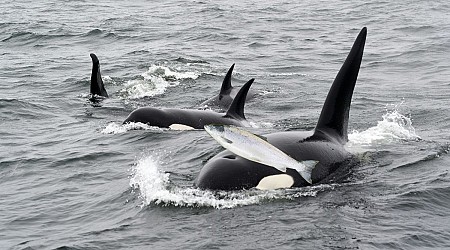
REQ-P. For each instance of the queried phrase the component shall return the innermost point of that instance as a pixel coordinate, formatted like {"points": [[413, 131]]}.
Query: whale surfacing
{"points": [[324, 144], [191, 118]]}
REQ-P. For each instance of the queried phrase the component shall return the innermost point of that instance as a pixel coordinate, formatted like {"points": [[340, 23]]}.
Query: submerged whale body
{"points": [[325, 144], [97, 86], [193, 119], [227, 93]]}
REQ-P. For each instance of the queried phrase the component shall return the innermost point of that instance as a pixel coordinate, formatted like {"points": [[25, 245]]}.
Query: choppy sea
{"points": [[73, 177]]}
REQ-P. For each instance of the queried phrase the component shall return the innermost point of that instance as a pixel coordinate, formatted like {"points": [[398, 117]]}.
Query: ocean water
{"points": [[73, 177]]}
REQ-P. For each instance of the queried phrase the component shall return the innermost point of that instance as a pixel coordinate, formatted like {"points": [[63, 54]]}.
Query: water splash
{"points": [[261, 124], [155, 81], [114, 128], [393, 127], [155, 188]]}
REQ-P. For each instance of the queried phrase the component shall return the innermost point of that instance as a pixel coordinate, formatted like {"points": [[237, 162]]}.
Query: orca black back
{"points": [[189, 118]]}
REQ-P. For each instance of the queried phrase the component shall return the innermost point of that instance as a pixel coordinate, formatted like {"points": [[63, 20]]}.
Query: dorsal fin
{"points": [[236, 109], [97, 87], [226, 84], [333, 119]]}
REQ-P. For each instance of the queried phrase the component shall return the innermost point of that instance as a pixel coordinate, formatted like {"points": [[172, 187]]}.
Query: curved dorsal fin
{"points": [[236, 109], [226, 84], [333, 119], [97, 87]]}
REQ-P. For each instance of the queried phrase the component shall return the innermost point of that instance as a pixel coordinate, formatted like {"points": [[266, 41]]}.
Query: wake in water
{"points": [[155, 187], [155, 81], [115, 128], [393, 127]]}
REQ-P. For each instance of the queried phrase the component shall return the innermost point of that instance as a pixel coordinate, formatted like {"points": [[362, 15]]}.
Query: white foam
{"points": [[108, 80], [155, 188], [155, 81], [114, 128], [260, 125], [169, 74], [393, 127]]}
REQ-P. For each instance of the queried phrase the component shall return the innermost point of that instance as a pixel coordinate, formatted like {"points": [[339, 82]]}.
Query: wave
{"points": [[189, 61], [155, 187], [155, 81], [99, 32], [393, 127], [114, 128], [28, 37]]}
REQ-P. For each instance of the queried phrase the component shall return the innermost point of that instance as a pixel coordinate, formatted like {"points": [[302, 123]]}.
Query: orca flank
{"points": [[196, 119], [324, 144]]}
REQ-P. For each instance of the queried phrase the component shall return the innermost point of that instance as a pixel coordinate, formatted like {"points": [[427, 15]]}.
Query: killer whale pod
{"points": [[325, 144]]}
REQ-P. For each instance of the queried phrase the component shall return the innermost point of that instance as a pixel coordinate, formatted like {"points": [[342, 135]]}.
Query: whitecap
{"points": [[393, 127], [114, 128], [155, 81]]}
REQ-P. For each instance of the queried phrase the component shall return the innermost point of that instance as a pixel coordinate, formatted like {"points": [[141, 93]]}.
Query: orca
{"points": [[193, 119], [97, 86], [227, 94], [325, 144]]}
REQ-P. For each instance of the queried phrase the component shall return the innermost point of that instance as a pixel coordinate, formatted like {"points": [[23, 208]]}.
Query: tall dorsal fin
{"points": [[236, 109], [97, 87], [333, 119], [226, 84]]}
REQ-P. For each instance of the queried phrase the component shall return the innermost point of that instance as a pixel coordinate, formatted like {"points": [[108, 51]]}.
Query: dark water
{"points": [[72, 177]]}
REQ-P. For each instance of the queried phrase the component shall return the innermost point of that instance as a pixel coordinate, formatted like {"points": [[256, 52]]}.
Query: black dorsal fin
{"points": [[236, 109], [97, 87], [226, 84], [333, 119]]}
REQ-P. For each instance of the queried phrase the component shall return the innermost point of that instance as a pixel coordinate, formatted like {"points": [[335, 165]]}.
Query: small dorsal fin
{"points": [[236, 109], [97, 87], [226, 84], [333, 119]]}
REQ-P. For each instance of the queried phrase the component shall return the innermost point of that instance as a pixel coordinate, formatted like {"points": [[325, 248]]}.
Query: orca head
{"points": [[150, 116], [97, 86]]}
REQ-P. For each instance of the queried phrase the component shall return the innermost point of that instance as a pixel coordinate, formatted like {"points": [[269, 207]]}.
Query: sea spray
{"points": [[115, 128], [155, 81], [393, 127], [155, 187]]}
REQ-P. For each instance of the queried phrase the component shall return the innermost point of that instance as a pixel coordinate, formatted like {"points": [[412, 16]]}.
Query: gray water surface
{"points": [[72, 177]]}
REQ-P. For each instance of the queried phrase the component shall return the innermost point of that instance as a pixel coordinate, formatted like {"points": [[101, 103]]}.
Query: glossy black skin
{"points": [[227, 94], [97, 86], [227, 171], [325, 144], [196, 119]]}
